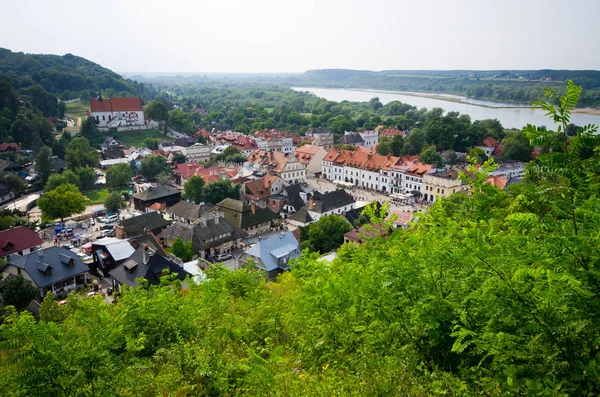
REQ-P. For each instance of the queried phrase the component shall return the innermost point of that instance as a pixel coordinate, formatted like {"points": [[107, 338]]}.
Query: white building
{"points": [[117, 112], [371, 138], [199, 152]]}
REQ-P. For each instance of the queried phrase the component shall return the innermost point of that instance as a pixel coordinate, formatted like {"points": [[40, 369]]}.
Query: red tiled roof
{"points": [[360, 235], [186, 170], [331, 155], [392, 132], [18, 239], [10, 146], [305, 153], [116, 104]]}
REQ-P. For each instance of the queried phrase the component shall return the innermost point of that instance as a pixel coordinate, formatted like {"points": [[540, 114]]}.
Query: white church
{"points": [[117, 112]]}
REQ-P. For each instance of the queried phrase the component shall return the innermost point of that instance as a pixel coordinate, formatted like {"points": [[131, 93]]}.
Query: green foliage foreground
{"points": [[493, 293]]}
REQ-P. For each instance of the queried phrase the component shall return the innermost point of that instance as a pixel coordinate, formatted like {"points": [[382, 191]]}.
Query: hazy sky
{"points": [[293, 36]]}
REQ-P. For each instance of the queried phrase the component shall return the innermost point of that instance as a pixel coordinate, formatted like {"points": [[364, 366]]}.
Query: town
{"points": [[217, 197]]}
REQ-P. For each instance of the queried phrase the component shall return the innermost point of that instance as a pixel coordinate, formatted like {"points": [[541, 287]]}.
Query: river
{"points": [[510, 115]]}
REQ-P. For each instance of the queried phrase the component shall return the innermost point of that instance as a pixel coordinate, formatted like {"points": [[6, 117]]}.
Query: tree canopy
{"points": [[193, 189], [79, 153], [61, 202], [218, 191], [154, 165]]}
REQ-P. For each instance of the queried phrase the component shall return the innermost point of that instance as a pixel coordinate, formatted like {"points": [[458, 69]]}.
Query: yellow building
{"points": [[441, 183]]}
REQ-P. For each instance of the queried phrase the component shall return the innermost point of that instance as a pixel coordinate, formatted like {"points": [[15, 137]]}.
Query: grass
{"points": [[137, 138], [78, 108], [269, 110], [96, 196]]}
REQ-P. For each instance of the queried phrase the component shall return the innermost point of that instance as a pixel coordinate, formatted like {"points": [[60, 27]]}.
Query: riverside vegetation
{"points": [[491, 293]]}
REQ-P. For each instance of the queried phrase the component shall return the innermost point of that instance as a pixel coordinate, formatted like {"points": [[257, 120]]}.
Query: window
{"points": [[103, 118], [442, 191]]}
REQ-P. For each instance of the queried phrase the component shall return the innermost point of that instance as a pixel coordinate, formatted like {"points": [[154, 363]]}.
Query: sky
{"points": [[284, 36]]}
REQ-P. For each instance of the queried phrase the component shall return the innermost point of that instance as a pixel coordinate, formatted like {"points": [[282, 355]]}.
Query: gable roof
{"points": [[119, 249], [305, 153], [331, 155], [116, 104], [214, 232], [18, 239], [260, 188], [4, 147], [177, 230], [191, 211], [497, 181], [331, 201], [302, 216], [271, 249], [240, 213], [148, 239], [351, 138], [319, 130], [141, 223], [54, 258], [145, 263], [186, 170], [156, 192]]}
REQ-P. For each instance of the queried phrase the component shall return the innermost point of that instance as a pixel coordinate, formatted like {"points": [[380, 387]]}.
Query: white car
{"points": [[222, 257]]}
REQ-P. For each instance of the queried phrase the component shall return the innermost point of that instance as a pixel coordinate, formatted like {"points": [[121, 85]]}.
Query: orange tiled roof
{"points": [[331, 155], [357, 159], [497, 181]]}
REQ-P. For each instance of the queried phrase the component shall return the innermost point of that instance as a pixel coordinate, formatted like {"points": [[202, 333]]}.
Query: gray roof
{"points": [[191, 211], [177, 230], [325, 202], [319, 130], [55, 258], [302, 216], [139, 224], [269, 251], [145, 264], [120, 250], [156, 192], [215, 232], [352, 138]]}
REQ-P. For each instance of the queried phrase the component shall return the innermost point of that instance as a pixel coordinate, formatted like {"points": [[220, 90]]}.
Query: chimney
{"points": [[145, 255], [253, 207], [310, 203], [41, 253]]}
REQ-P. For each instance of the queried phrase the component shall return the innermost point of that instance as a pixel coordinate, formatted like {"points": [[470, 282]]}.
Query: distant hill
{"points": [[67, 76], [518, 86]]}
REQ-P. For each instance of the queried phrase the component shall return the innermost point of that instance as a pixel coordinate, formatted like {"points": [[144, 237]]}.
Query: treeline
{"points": [[502, 86], [66, 76]]}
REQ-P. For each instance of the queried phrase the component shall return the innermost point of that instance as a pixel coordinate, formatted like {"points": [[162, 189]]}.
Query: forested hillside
{"points": [[492, 293], [67, 76], [518, 86]]}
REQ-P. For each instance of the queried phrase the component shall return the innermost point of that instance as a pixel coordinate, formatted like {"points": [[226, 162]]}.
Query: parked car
{"points": [[112, 219], [92, 222], [101, 219], [107, 227], [107, 233], [222, 257]]}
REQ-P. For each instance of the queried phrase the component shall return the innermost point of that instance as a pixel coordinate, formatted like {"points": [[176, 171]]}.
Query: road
{"points": [[22, 203]]}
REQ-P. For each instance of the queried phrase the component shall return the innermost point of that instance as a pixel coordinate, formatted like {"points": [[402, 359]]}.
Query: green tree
{"points": [[431, 156], [384, 147], [218, 191], [154, 165], [114, 202], [327, 233], [179, 158], [193, 189], [515, 146], [18, 292], [79, 153], [86, 177], [62, 108], [61, 202], [15, 182], [478, 154], [164, 178], [50, 311], [89, 131], [55, 180], [156, 110], [414, 143], [182, 250], [44, 163], [151, 143], [118, 175]]}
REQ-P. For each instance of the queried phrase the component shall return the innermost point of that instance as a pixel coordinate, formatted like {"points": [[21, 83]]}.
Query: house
{"points": [[184, 141], [512, 169], [275, 144], [258, 190], [322, 136], [182, 172], [370, 138], [250, 218], [311, 156], [148, 264], [351, 138], [199, 152], [110, 143], [109, 252], [403, 218], [301, 218], [210, 235], [491, 147], [441, 183], [53, 269], [334, 202], [392, 132], [113, 153], [148, 239], [286, 166], [273, 254], [363, 233], [156, 207], [295, 198], [156, 194], [10, 147], [243, 143], [149, 222], [188, 213], [498, 182], [6, 193], [59, 164], [18, 240], [409, 174], [9, 166], [117, 112]]}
